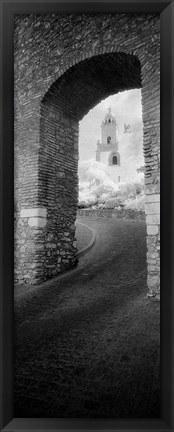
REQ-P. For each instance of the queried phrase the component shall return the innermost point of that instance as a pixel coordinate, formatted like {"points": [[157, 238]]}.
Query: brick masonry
{"points": [[64, 65]]}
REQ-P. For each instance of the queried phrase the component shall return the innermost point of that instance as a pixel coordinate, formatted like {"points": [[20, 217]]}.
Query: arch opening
{"points": [[114, 160], [64, 105]]}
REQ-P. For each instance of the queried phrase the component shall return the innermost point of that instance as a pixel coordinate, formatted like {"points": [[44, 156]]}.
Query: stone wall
{"points": [[112, 213], [58, 185], [64, 66]]}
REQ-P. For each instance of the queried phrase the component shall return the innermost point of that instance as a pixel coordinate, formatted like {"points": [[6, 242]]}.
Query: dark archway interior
{"points": [[114, 160], [87, 83]]}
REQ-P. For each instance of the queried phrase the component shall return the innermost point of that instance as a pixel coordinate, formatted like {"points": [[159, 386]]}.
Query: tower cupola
{"points": [[110, 117], [109, 129]]}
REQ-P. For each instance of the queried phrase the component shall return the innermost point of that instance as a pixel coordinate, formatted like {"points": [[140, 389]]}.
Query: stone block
{"points": [[153, 190], [33, 212], [38, 222], [148, 180], [153, 267], [151, 261], [153, 219], [153, 255], [154, 198], [153, 279], [51, 245], [152, 208], [152, 229]]}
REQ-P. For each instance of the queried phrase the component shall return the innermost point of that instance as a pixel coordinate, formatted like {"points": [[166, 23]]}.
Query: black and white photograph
{"points": [[87, 215]]}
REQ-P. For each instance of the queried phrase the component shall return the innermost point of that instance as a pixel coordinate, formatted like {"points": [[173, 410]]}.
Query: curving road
{"points": [[87, 345]]}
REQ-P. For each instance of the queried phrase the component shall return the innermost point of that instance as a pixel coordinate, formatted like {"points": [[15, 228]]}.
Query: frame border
{"points": [[7, 10]]}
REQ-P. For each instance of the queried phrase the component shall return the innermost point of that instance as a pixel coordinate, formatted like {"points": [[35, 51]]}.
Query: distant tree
{"points": [[93, 173]]}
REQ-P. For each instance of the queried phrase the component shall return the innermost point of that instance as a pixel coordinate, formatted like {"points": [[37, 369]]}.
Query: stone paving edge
{"points": [[87, 248]]}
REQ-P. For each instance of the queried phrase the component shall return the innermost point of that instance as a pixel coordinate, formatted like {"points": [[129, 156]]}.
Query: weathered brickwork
{"points": [[64, 66]]}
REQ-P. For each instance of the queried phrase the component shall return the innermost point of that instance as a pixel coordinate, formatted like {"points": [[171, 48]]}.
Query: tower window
{"points": [[108, 139], [114, 160], [109, 120]]}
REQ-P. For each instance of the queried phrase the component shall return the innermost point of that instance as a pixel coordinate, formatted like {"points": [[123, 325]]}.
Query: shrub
{"points": [[113, 203], [97, 189], [138, 203], [131, 190]]}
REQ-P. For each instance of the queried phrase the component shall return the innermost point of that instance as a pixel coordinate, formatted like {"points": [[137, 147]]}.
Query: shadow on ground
{"points": [[88, 346]]}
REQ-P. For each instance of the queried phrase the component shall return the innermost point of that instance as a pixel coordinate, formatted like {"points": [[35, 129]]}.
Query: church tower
{"points": [[107, 150]]}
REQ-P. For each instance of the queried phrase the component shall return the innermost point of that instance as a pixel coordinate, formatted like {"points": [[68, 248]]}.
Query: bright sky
{"points": [[127, 108]]}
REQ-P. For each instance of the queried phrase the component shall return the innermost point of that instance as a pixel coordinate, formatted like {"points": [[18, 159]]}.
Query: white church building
{"points": [[123, 163], [107, 150]]}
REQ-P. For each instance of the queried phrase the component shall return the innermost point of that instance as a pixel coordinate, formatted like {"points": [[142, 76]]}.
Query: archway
{"points": [[62, 107], [59, 76], [114, 160]]}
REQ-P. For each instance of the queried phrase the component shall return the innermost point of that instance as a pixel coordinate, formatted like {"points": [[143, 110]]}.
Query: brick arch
{"points": [[87, 55], [78, 90], [47, 62], [106, 74]]}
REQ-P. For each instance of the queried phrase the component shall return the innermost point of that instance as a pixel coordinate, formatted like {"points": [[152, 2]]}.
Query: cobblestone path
{"points": [[87, 345]]}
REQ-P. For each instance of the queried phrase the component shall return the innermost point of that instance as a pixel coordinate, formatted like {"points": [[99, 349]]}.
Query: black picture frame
{"points": [[7, 10]]}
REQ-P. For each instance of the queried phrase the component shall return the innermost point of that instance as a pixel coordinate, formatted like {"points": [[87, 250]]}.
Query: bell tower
{"points": [[109, 130], [107, 150]]}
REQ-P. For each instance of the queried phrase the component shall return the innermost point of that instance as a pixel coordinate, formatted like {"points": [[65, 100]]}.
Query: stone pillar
{"points": [[46, 193], [152, 208], [29, 246], [30, 218], [58, 185], [151, 144]]}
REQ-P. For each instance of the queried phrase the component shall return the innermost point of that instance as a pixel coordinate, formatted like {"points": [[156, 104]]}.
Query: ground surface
{"points": [[83, 236], [88, 345]]}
